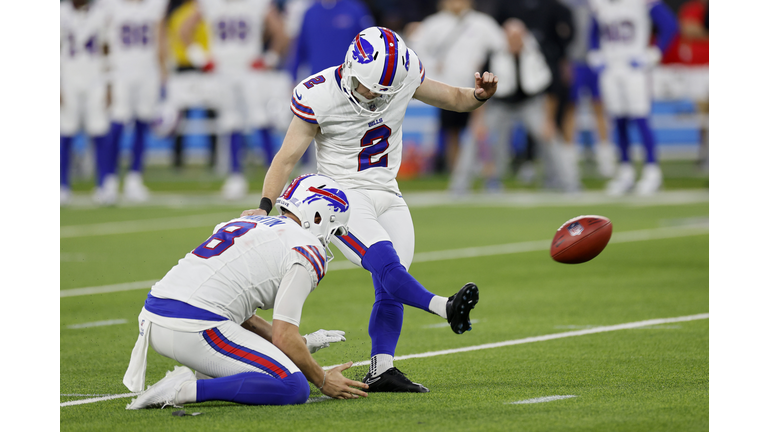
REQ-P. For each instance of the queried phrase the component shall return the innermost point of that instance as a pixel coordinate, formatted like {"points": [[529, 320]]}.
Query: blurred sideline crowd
{"points": [[147, 65]]}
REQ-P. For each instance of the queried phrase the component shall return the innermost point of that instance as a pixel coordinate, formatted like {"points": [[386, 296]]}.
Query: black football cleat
{"points": [[392, 381], [459, 306]]}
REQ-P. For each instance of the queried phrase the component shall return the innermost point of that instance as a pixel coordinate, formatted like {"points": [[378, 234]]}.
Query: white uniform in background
{"points": [[625, 34], [454, 47], [293, 17], [363, 154], [221, 287], [83, 67], [247, 96], [236, 28], [134, 58], [533, 76]]}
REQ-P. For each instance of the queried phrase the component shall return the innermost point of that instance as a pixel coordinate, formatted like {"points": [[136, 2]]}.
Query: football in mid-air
{"points": [[580, 239]]}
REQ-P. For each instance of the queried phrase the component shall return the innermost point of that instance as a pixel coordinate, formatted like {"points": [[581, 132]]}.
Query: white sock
{"points": [[187, 393], [380, 363], [438, 305]]}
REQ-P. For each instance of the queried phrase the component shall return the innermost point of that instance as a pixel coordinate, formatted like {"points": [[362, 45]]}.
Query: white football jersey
{"points": [[133, 38], [236, 29], [83, 33], [355, 150], [240, 267], [625, 28]]}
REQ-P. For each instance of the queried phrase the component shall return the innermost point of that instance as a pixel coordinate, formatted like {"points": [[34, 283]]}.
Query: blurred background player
{"points": [[137, 50], [188, 85], [523, 78], [240, 66], [620, 51], [694, 46], [453, 44], [551, 23], [323, 32], [83, 85], [323, 36], [583, 85]]}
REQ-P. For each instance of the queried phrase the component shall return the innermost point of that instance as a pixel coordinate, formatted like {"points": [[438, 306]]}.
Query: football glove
{"points": [[323, 338]]}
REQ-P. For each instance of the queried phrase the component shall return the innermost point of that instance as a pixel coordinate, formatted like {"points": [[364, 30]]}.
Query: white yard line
{"points": [[146, 225], [107, 288], [471, 252], [542, 399], [97, 324], [98, 399], [414, 199], [517, 198], [594, 330], [602, 329]]}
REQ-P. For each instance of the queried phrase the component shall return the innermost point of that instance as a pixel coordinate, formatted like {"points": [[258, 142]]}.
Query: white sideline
{"points": [[471, 252], [593, 330], [542, 399], [602, 329], [98, 399], [98, 324]]}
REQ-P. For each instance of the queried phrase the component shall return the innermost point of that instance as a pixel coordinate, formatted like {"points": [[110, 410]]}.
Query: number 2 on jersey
{"points": [[223, 239], [374, 142]]}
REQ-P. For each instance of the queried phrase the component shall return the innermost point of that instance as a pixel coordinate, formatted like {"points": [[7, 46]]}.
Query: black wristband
{"points": [[475, 95], [266, 204]]}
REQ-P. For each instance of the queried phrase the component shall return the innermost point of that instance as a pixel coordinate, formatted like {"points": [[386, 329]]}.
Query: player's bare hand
{"points": [[339, 387], [253, 212], [485, 85]]}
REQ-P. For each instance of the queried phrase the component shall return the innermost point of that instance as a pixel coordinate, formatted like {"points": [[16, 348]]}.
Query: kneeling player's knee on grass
{"points": [[297, 382]]}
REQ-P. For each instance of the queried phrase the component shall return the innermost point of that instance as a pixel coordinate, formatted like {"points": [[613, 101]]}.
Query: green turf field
{"points": [[646, 378]]}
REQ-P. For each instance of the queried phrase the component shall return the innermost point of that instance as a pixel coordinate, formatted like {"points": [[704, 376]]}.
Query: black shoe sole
{"points": [[468, 296]]}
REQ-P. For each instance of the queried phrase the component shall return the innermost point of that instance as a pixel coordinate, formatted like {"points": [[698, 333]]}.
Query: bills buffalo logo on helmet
{"points": [[336, 199], [575, 229], [362, 51]]}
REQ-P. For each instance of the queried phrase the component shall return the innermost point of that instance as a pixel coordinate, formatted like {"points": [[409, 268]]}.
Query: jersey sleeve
{"points": [[417, 71], [301, 99], [312, 258], [292, 293], [665, 21]]}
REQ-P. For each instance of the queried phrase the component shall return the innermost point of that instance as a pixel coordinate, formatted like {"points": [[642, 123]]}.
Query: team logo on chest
{"points": [[362, 51]]}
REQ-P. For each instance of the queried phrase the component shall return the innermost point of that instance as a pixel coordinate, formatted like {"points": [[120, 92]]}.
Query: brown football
{"points": [[580, 239]]}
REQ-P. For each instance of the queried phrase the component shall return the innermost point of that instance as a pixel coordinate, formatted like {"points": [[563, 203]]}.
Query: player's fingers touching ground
{"points": [[339, 387]]}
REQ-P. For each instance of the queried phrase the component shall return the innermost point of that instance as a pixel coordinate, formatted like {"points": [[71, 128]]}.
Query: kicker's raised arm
{"points": [[459, 99]]}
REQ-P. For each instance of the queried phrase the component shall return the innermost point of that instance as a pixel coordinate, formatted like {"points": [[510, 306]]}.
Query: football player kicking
{"points": [[355, 112], [201, 313]]}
